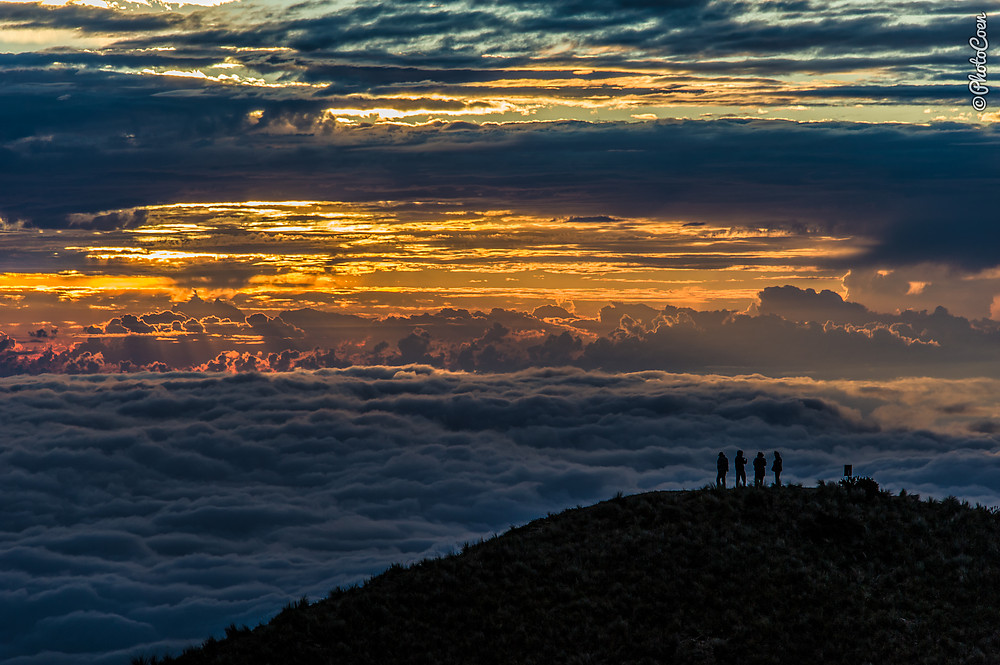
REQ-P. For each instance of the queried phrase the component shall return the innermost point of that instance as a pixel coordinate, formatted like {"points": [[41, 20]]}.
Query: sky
{"points": [[292, 290], [398, 159]]}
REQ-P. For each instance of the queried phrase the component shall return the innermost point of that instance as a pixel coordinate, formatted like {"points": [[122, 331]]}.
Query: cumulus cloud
{"points": [[144, 512], [790, 331], [973, 294], [798, 331], [272, 327], [106, 221]]}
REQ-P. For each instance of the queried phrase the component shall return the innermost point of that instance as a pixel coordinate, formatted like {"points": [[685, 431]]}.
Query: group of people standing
{"points": [[759, 469]]}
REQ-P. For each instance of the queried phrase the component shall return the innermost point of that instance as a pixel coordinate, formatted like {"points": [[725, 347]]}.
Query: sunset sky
{"points": [[396, 159], [295, 290]]}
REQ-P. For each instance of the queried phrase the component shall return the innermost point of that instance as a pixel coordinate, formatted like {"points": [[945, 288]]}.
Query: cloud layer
{"points": [[144, 512], [913, 193], [529, 105], [787, 332]]}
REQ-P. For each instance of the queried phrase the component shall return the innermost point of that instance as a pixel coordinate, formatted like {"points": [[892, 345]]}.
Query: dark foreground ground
{"points": [[778, 575]]}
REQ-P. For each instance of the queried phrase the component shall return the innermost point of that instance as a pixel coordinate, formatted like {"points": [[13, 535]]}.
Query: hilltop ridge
{"points": [[750, 576]]}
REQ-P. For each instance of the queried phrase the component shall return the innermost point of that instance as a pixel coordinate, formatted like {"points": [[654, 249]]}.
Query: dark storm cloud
{"points": [[915, 192], [113, 111], [445, 44], [79, 138], [144, 512], [463, 28], [22, 69], [450, 40], [969, 243], [840, 35], [685, 29], [803, 305], [87, 19]]}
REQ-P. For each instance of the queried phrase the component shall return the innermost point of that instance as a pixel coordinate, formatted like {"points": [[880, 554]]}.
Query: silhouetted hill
{"points": [[788, 575]]}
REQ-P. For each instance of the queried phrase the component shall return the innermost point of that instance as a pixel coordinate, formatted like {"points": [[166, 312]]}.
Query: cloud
{"points": [[22, 15], [925, 286], [796, 304], [240, 103], [798, 332], [144, 512], [273, 327], [123, 219], [910, 193], [695, 29], [789, 332]]}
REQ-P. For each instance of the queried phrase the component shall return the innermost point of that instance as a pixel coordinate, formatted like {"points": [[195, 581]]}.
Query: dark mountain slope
{"points": [[788, 575]]}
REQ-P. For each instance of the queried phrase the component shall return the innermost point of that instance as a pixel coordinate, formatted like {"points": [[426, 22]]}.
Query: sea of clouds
{"points": [[144, 512]]}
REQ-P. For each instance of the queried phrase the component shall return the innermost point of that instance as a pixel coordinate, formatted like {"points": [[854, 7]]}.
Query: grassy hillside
{"points": [[780, 575]]}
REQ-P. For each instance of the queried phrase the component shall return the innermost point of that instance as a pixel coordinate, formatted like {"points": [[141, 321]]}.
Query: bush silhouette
{"points": [[867, 485]]}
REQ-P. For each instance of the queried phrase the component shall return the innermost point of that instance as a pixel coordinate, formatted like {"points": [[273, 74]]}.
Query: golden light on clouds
{"points": [[419, 256], [73, 285]]}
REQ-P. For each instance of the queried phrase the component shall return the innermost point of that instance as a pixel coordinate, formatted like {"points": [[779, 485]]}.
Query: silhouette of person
{"points": [[741, 468], [723, 466], [776, 467], [759, 469]]}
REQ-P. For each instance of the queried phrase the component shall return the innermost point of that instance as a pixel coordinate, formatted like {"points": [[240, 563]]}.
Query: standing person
{"points": [[741, 468], [759, 469], [776, 467], [723, 466]]}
